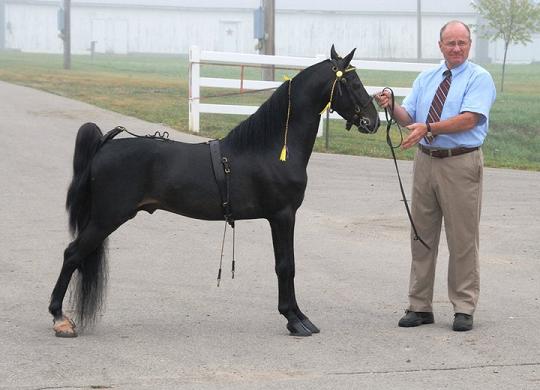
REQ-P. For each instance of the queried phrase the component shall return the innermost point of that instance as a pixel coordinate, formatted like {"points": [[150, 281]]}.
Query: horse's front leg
{"points": [[282, 226]]}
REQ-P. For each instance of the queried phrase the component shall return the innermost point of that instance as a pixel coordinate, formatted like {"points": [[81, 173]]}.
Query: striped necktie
{"points": [[437, 104]]}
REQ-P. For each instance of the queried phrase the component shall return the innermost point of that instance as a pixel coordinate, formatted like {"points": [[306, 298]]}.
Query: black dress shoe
{"points": [[462, 322], [416, 318]]}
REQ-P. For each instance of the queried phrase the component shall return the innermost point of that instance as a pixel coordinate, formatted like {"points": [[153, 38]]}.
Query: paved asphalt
{"points": [[167, 325]]}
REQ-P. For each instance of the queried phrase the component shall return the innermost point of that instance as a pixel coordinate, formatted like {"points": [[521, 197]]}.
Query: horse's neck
{"points": [[308, 100], [302, 134], [265, 130], [310, 92]]}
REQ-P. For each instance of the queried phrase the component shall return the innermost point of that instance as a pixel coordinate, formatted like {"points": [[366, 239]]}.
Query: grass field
{"points": [[155, 88]]}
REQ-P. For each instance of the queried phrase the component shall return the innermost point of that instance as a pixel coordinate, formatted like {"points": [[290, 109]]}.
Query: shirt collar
{"points": [[457, 70]]}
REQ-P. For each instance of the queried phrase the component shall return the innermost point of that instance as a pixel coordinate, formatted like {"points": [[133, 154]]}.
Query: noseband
{"points": [[359, 103]]}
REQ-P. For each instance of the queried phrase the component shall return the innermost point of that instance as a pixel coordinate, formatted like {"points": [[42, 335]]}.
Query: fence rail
{"points": [[196, 82]]}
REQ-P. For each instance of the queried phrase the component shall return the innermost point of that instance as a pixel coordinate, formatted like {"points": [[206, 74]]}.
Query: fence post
{"points": [[194, 88]]}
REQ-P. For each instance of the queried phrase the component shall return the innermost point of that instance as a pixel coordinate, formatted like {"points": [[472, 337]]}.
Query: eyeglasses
{"points": [[460, 44]]}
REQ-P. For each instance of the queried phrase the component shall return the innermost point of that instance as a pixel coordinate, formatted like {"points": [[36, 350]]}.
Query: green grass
{"points": [[155, 88]]}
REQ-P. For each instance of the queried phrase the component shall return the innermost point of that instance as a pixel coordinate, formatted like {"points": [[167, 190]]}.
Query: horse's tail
{"points": [[78, 196], [89, 285]]}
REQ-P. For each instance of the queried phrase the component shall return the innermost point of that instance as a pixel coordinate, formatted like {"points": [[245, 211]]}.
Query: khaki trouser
{"points": [[450, 189]]}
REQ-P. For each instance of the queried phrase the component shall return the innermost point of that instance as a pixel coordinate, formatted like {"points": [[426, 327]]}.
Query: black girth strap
{"points": [[222, 172]]}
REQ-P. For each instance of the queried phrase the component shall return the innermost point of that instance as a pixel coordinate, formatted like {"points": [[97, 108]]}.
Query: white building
{"points": [[384, 29]]}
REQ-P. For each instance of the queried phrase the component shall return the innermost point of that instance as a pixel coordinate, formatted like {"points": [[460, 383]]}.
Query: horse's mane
{"points": [[265, 126]]}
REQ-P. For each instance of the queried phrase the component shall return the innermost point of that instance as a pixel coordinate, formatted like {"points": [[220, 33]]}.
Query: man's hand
{"points": [[383, 99], [418, 131]]}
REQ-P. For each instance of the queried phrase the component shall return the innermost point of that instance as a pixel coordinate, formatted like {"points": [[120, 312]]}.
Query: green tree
{"points": [[513, 21]]}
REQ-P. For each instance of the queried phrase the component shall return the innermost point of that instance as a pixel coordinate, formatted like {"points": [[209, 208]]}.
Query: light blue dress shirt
{"points": [[472, 89]]}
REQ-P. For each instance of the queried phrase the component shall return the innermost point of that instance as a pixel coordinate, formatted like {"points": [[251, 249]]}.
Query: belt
{"points": [[443, 153]]}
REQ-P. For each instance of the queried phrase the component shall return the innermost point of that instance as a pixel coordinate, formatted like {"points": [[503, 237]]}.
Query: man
{"points": [[447, 114]]}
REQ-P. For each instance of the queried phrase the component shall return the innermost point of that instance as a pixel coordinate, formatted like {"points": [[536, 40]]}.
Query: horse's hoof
{"points": [[64, 328], [66, 335], [298, 329], [310, 325]]}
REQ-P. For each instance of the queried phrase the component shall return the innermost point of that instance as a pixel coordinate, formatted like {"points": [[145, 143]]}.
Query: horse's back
{"points": [[145, 174], [129, 175]]}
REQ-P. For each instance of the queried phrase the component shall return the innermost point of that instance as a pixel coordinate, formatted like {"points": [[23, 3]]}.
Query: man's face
{"points": [[455, 45]]}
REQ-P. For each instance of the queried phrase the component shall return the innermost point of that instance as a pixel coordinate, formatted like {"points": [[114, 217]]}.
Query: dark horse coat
{"points": [[116, 178]]}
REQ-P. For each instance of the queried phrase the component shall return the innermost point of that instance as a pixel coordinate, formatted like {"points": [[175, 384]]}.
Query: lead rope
{"points": [[389, 122]]}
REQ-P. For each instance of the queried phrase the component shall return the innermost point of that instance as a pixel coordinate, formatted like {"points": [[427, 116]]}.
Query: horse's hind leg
{"points": [[63, 325], [282, 227], [87, 246]]}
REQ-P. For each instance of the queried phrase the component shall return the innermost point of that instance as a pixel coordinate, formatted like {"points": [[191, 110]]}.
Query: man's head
{"points": [[455, 43]]}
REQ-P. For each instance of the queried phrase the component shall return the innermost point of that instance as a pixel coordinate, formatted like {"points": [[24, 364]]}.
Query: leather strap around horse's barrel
{"points": [[222, 172]]}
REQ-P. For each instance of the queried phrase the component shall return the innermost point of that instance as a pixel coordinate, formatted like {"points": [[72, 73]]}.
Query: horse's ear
{"points": [[348, 58], [333, 54]]}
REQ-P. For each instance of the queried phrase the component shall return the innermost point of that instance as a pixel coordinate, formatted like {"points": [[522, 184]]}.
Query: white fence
{"points": [[198, 57]]}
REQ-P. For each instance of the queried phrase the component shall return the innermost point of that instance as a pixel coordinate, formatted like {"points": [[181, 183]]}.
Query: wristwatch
{"points": [[429, 135]]}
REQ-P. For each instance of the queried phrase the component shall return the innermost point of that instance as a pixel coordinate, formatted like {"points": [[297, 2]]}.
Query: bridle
{"points": [[360, 103]]}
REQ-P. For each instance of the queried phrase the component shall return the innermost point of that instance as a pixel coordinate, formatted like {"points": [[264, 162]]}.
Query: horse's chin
{"points": [[362, 127], [366, 128]]}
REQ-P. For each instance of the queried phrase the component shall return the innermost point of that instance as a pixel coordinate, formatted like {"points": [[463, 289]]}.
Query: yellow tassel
{"points": [[286, 78], [325, 108], [283, 155]]}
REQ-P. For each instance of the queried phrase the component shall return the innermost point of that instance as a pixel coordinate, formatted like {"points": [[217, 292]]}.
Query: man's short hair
{"points": [[453, 22]]}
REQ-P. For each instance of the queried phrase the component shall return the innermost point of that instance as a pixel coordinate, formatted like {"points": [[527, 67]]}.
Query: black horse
{"points": [[114, 179]]}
